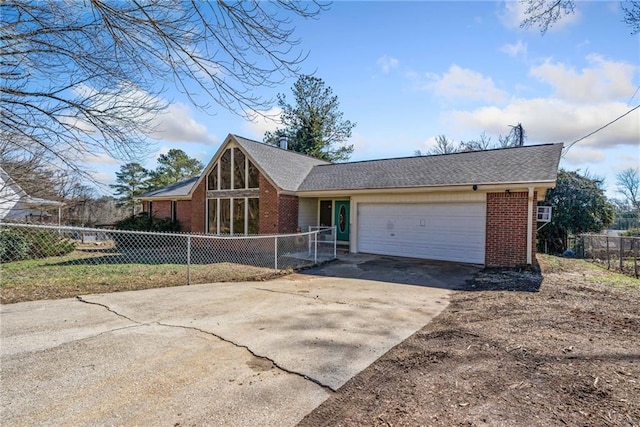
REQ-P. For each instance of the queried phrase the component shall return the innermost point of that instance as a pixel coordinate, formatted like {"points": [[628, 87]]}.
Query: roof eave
{"points": [[484, 187]]}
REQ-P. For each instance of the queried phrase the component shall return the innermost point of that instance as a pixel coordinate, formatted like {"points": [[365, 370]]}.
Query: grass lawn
{"points": [[64, 277]]}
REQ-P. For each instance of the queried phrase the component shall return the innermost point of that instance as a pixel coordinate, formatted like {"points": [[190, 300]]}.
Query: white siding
{"points": [[307, 213]]}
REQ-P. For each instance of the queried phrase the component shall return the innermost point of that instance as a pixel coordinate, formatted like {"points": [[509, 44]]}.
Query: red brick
{"points": [[506, 235]]}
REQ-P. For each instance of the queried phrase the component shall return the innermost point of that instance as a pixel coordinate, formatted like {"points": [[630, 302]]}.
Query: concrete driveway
{"points": [[254, 353]]}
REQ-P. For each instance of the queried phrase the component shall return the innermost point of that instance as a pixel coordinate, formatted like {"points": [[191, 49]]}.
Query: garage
{"points": [[440, 231]]}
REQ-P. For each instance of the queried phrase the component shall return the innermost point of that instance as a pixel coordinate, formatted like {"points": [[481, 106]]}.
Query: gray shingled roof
{"points": [[534, 163], [287, 169], [179, 189]]}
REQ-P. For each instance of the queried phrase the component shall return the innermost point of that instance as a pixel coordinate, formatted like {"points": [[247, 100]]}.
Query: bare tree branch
{"points": [[85, 77]]}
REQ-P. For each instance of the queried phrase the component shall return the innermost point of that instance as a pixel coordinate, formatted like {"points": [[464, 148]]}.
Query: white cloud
{"points": [[461, 83], [555, 120], [387, 63], [100, 159], [267, 121], [514, 12], [515, 50], [578, 156], [603, 80], [177, 124]]}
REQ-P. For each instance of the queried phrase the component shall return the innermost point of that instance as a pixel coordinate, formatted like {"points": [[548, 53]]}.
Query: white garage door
{"points": [[441, 231]]}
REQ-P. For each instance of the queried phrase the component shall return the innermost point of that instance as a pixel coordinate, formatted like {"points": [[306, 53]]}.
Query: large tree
{"points": [[173, 167], [545, 13], [81, 77], [313, 124], [628, 183], [130, 182], [579, 206]]}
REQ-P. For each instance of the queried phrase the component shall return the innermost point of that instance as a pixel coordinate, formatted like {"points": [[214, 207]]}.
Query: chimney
{"points": [[283, 143]]}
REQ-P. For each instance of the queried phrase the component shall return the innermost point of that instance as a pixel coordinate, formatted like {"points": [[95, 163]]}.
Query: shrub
{"points": [[142, 222], [14, 245], [20, 244], [632, 232]]}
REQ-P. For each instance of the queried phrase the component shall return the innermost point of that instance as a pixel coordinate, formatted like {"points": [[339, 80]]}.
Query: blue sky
{"points": [[406, 72]]}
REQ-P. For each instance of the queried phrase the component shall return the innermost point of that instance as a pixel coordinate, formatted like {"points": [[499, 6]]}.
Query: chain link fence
{"points": [[614, 252], [189, 254]]}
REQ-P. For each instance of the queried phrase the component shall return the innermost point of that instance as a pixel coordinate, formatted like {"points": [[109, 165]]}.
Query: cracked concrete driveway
{"points": [[254, 353]]}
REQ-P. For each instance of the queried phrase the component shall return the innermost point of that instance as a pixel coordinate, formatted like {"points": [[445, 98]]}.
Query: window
{"points": [[225, 171], [174, 211], [213, 216], [212, 181], [233, 204], [239, 169], [225, 216], [239, 215], [254, 180], [253, 220]]}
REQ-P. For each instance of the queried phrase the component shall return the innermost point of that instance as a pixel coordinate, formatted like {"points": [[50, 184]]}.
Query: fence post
{"points": [[608, 257], [315, 250], [634, 251], [275, 252], [621, 253], [335, 242], [188, 260]]}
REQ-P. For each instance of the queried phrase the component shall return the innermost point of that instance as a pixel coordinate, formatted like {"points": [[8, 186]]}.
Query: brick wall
{"points": [[287, 214], [198, 208], [278, 213], [268, 207], [183, 214], [506, 244], [161, 209]]}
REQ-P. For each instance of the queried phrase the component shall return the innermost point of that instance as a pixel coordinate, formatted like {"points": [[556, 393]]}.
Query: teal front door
{"points": [[342, 220]]}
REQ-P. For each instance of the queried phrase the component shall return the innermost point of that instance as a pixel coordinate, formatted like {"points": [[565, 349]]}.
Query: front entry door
{"points": [[342, 220]]}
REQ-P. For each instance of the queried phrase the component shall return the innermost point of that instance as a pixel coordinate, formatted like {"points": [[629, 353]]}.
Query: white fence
{"points": [[90, 246]]}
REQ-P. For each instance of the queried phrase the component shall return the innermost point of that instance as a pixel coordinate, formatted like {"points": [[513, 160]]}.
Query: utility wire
{"points": [[633, 96], [599, 129]]}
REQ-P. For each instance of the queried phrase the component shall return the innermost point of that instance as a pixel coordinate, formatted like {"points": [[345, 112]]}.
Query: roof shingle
{"points": [[534, 163], [286, 168]]}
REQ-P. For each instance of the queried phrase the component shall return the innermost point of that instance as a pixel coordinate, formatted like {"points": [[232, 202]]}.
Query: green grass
{"points": [[59, 277], [593, 272]]}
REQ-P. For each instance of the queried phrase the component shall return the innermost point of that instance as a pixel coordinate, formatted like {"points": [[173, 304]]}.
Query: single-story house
{"points": [[17, 205], [474, 207]]}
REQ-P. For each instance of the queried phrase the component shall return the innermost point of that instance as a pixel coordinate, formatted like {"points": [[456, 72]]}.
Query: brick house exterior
{"points": [[477, 207], [507, 229]]}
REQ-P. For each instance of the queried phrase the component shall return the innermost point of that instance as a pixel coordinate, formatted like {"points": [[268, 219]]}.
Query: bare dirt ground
{"points": [[515, 348]]}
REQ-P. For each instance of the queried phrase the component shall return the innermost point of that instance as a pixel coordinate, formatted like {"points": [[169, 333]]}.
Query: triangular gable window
{"points": [[233, 171]]}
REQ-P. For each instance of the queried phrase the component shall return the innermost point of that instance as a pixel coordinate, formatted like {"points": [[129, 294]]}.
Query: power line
{"points": [[599, 129], [633, 96]]}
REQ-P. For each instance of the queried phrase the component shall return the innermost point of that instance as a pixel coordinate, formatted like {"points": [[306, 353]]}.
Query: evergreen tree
{"points": [[314, 124], [175, 166], [130, 182]]}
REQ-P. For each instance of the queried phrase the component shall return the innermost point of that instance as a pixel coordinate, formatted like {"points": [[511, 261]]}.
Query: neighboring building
{"points": [[476, 207], [17, 205]]}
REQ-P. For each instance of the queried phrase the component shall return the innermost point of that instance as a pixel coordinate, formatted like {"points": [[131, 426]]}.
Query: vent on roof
{"points": [[544, 213], [283, 142]]}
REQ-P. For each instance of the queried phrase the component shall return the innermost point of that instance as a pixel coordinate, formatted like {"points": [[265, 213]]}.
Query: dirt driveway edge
{"points": [[507, 353]]}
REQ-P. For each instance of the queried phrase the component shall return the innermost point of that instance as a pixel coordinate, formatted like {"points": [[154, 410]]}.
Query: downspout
{"points": [[529, 225]]}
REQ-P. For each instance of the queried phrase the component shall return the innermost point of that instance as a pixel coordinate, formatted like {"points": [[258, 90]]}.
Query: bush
{"points": [[142, 222], [14, 245], [632, 232], [19, 244]]}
